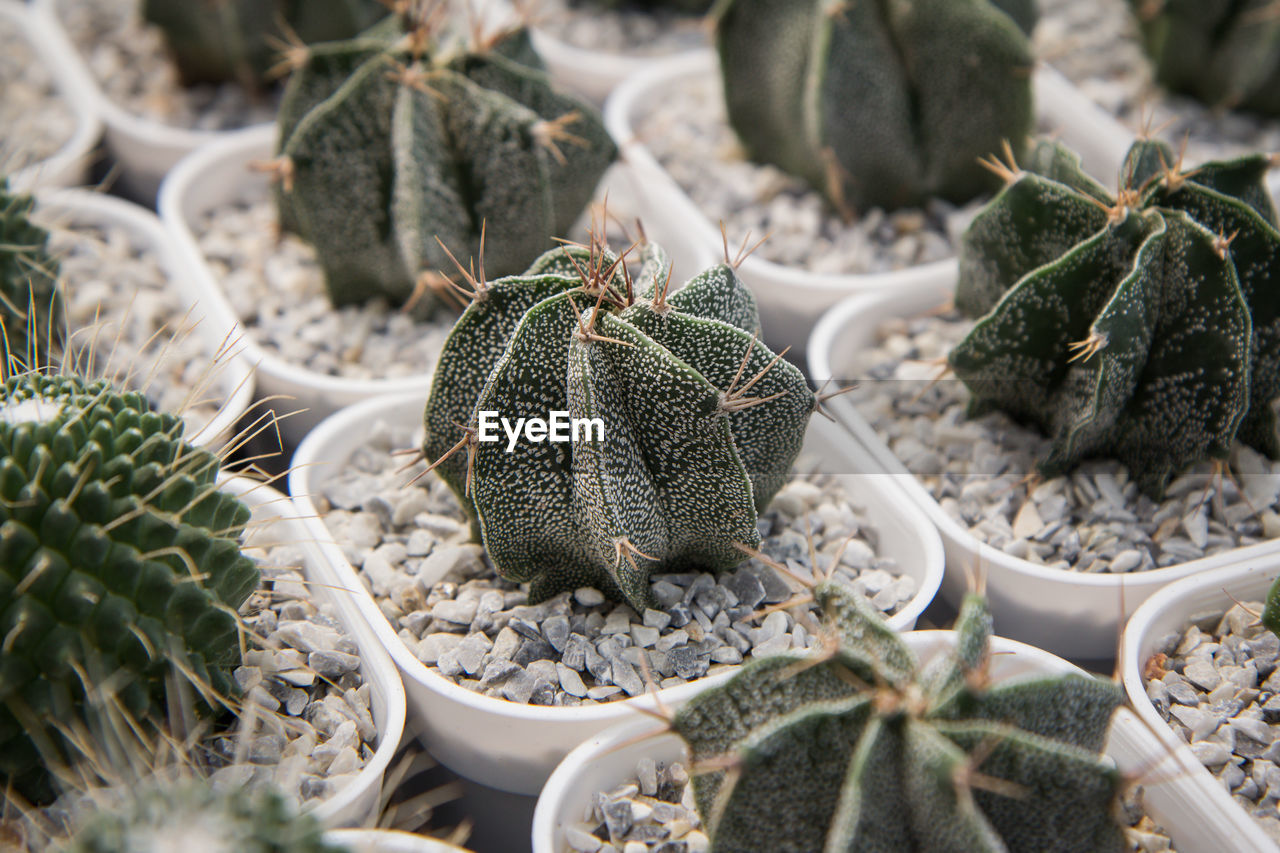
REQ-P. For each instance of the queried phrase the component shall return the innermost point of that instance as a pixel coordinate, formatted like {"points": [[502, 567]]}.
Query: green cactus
{"points": [[219, 41], [31, 317], [858, 749], [701, 422], [118, 562], [881, 103], [1143, 327], [403, 141], [1225, 53]]}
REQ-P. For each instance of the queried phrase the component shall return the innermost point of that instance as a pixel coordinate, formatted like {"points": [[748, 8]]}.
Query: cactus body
{"points": [[217, 41], [687, 458], [30, 308], [118, 559], [398, 138], [860, 750], [1225, 53], [882, 103], [1145, 328]]}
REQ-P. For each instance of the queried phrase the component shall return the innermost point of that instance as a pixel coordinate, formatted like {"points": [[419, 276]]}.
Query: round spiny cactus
{"points": [[119, 569], [700, 422], [30, 309], [403, 141], [1144, 327], [858, 749]]}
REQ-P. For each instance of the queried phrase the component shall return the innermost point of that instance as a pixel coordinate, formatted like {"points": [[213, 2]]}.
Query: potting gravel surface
{"points": [[1093, 520], [412, 548], [631, 31], [654, 812], [129, 60], [1217, 685], [35, 120]]}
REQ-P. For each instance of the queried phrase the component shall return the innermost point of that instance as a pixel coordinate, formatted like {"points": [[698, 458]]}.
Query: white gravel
{"points": [[627, 31], [35, 120]]}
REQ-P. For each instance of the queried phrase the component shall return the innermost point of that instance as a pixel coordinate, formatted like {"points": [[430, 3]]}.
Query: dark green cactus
{"points": [[1225, 53], [30, 309], [217, 41], [118, 560], [701, 422], [881, 103], [401, 142], [859, 750], [1144, 327]]}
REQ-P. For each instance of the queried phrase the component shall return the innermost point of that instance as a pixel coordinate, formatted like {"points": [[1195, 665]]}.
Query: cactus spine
{"points": [[30, 308]]}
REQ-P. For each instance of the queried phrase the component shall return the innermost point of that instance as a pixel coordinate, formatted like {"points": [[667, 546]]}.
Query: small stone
{"points": [[588, 597], [332, 665], [647, 775], [457, 612], [656, 619], [433, 646], [1202, 674], [581, 840], [1126, 561], [570, 681], [556, 630]]}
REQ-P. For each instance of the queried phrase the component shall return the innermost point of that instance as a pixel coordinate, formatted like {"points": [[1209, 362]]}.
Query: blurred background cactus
{"points": [[859, 748], [1142, 326], [880, 104], [218, 41], [120, 574], [1225, 53], [31, 313], [701, 421], [413, 138]]}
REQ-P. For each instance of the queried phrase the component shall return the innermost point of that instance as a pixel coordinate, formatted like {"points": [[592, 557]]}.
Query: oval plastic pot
{"points": [[1074, 614], [1168, 611], [609, 759], [591, 73], [232, 373], [791, 300], [514, 747], [387, 841], [358, 802], [69, 165]]}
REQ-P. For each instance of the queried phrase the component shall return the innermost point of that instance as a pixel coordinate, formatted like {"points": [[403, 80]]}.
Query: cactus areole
{"points": [[119, 568], [701, 422], [859, 749], [1143, 326], [410, 142]]}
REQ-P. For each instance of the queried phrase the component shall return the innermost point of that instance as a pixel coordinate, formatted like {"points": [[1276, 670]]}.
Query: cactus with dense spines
{"points": [[406, 140], [1145, 327], [880, 103], [859, 749], [217, 41], [1225, 53], [118, 560], [701, 421], [30, 307]]}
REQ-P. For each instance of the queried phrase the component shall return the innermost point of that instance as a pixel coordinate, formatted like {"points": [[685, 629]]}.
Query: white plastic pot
{"points": [[357, 803], [69, 165], [387, 841], [1170, 611], [791, 300], [514, 747], [591, 73], [232, 375], [607, 760], [1074, 614]]}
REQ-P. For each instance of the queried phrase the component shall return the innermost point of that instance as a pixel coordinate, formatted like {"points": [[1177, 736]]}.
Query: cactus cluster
{"points": [[857, 748], [701, 421], [31, 317], [408, 139], [119, 565], [880, 104], [218, 41], [1225, 53], [1142, 326]]}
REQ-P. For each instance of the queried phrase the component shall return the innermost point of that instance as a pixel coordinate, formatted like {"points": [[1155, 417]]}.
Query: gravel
{"points": [[1093, 520], [629, 31], [35, 120], [412, 547], [129, 61], [1217, 686]]}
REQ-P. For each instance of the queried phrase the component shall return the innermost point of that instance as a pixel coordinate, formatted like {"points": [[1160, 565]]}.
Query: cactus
{"points": [[401, 142], [31, 318], [218, 41], [1225, 53], [701, 421], [118, 562], [856, 748], [1142, 327], [876, 103]]}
